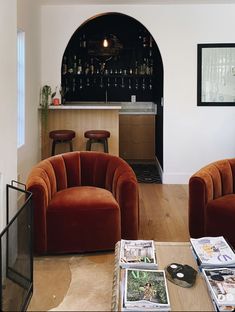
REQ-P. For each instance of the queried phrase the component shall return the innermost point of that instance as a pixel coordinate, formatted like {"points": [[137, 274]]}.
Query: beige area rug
{"points": [[73, 283]]}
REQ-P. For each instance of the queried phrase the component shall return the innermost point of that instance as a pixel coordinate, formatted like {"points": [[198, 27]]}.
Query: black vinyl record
{"points": [[182, 275]]}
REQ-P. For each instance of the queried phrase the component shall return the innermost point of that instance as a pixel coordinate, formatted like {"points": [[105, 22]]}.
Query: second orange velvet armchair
{"points": [[212, 201]]}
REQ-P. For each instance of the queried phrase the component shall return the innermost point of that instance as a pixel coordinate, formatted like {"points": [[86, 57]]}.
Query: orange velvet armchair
{"points": [[83, 201], [212, 201]]}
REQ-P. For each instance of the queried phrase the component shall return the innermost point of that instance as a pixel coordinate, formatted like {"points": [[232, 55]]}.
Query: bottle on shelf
{"points": [[143, 84], [87, 69], [74, 63], [74, 85], [83, 41], [136, 68], [145, 44], [108, 82], [122, 83], [79, 69], [70, 66], [80, 83], [92, 67], [64, 66], [136, 84]]}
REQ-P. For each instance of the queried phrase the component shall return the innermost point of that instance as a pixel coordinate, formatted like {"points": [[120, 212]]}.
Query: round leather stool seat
{"points": [[62, 135], [97, 134]]}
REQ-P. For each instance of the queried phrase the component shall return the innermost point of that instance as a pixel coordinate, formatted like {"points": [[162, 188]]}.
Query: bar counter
{"points": [[83, 116]]}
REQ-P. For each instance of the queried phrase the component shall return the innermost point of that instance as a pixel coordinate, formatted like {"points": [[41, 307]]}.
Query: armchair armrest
{"points": [[127, 195], [38, 183]]}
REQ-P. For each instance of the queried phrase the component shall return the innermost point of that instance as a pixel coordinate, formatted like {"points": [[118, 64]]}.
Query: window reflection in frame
{"points": [[216, 74]]}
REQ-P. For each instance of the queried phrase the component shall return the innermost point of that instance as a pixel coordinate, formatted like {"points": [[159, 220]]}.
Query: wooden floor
{"points": [[64, 282], [164, 212]]}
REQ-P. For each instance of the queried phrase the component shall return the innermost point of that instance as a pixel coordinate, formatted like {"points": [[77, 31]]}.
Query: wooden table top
{"points": [[195, 298]]}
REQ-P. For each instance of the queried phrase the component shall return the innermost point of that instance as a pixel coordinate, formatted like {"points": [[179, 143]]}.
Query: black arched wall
{"points": [[131, 65]]}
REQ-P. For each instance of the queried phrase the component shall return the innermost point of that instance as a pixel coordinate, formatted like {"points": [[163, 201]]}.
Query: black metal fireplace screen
{"points": [[16, 255]]}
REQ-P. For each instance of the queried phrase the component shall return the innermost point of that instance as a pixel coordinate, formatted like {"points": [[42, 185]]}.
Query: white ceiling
{"points": [[144, 2]]}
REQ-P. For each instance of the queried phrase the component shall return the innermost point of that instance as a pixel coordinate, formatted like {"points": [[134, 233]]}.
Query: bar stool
{"points": [[97, 136], [61, 136]]}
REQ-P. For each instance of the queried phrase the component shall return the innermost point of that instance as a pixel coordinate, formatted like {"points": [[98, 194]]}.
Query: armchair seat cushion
{"points": [[220, 216], [83, 198], [78, 210]]}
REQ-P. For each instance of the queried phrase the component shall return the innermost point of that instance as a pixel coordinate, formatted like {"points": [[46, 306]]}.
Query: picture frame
{"points": [[216, 74]]}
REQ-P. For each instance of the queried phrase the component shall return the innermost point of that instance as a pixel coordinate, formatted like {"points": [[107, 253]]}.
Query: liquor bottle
{"points": [[80, 83], [108, 82], [92, 67], [83, 41], [74, 85], [70, 66], [74, 64], [64, 66], [136, 68], [87, 69], [144, 42], [147, 70], [79, 70], [122, 83], [143, 84]]}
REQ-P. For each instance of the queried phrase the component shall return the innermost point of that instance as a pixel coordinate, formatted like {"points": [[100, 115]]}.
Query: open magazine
{"points": [[213, 252], [221, 286], [137, 253], [145, 290]]}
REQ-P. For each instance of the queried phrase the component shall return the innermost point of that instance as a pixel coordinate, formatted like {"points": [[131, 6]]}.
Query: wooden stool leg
{"points": [[106, 148], [71, 146], [88, 145], [53, 148]]}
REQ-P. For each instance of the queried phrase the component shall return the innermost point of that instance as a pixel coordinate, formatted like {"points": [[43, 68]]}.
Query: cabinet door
{"points": [[137, 137]]}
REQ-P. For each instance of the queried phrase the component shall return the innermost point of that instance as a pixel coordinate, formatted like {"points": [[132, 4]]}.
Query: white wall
{"points": [[193, 136], [8, 104], [28, 20]]}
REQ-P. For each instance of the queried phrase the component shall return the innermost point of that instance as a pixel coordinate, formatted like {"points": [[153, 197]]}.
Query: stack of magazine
{"points": [[138, 254], [144, 287], [216, 259]]}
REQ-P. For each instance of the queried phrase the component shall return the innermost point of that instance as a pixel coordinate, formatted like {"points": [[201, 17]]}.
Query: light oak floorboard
{"points": [[163, 212]]}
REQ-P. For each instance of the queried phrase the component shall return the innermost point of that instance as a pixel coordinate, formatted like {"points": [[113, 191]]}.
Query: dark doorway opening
{"points": [[131, 65]]}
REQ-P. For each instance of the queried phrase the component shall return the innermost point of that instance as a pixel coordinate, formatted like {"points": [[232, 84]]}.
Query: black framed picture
{"points": [[216, 74]]}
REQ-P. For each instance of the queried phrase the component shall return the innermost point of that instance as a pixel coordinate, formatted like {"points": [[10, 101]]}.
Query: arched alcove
{"points": [[129, 68]]}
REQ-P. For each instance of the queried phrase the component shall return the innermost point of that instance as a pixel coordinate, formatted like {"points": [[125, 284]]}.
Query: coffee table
{"points": [[195, 298]]}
